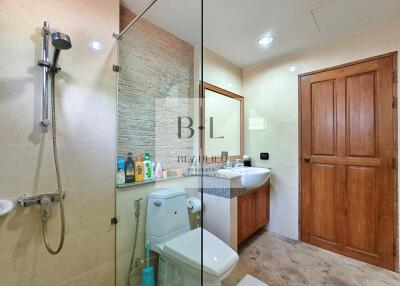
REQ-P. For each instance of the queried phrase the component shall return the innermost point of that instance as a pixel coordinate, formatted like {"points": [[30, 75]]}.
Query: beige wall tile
{"points": [[221, 72], [86, 129]]}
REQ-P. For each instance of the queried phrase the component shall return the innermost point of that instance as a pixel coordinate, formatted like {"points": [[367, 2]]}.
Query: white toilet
{"points": [[167, 229]]}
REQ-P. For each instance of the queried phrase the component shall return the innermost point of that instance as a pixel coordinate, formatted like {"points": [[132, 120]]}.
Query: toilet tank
{"points": [[167, 214]]}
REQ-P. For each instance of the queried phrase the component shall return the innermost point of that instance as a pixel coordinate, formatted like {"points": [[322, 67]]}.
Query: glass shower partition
{"points": [[158, 170]]}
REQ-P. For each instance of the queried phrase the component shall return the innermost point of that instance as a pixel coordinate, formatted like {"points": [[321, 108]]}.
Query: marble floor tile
{"points": [[279, 261]]}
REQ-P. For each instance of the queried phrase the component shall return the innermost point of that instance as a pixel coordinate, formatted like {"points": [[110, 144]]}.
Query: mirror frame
{"points": [[207, 86]]}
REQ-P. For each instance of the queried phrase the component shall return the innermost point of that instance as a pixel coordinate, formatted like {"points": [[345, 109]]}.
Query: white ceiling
{"points": [[232, 27]]}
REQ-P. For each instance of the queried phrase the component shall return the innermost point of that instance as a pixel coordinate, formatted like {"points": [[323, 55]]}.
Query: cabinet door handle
{"points": [[307, 159]]}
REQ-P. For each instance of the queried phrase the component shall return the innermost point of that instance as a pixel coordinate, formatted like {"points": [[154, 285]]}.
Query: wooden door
{"points": [[262, 206], [246, 216], [348, 159]]}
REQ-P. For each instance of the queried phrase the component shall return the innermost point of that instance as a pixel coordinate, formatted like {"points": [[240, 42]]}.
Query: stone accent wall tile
{"points": [[155, 66]]}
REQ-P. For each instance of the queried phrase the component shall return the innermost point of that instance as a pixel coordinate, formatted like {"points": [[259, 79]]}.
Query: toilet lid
{"points": [[217, 256]]}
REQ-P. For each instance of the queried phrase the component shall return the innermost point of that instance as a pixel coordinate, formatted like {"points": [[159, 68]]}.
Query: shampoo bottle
{"points": [[139, 168], [129, 169], [148, 167]]}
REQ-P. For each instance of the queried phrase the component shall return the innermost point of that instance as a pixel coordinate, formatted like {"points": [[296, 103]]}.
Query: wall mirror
{"points": [[223, 116]]}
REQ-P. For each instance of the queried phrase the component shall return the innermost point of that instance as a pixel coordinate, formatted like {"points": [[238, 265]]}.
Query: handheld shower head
{"points": [[60, 41]]}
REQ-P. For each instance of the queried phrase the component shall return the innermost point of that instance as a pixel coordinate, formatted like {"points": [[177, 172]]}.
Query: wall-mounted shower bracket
{"points": [[47, 64], [30, 199], [42, 63]]}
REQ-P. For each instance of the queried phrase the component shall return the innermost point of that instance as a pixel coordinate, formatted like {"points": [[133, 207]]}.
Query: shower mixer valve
{"points": [[45, 208], [30, 199]]}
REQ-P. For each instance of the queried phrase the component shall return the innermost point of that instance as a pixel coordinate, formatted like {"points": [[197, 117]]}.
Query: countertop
{"points": [[225, 186]]}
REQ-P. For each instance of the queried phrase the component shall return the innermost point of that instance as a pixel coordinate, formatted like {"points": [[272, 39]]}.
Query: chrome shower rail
{"points": [[118, 36], [45, 64]]}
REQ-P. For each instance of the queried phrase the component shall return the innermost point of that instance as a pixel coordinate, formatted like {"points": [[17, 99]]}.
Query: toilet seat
{"points": [[218, 257]]}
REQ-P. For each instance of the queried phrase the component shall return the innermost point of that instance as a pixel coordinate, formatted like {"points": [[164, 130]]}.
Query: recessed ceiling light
{"points": [[96, 45], [293, 69], [265, 41]]}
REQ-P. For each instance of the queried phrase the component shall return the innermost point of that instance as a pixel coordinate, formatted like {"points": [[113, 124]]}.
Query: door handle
{"points": [[307, 159]]}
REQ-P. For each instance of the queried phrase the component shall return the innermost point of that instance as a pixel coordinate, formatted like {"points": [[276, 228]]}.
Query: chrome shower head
{"points": [[60, 42]]}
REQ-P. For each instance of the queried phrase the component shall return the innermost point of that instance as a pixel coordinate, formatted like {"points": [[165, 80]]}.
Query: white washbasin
{"points": [[251, 177], [5, 207]]}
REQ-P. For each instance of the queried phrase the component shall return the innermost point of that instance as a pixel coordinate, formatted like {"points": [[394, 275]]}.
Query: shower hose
{"points": [[59, 184], [137, 215]]}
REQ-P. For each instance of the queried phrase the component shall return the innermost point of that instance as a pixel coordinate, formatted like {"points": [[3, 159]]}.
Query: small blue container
{"points": [[148, 276], [120, 163]]}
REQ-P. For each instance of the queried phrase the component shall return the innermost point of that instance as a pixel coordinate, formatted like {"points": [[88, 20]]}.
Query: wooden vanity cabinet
{"points": [[253, 211]]}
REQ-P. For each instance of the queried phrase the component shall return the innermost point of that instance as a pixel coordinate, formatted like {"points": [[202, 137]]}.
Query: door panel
{"points": [[361, 114], [323, 118], [348, 144], [261, 206], [362, 209], [324, 215], [246, 216], [253, 211]]}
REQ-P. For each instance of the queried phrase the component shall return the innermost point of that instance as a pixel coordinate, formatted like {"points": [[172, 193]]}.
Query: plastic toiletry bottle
{"points": [[120, 179], [153, 169], [159, 171], [139, 168], [148, 168], [129, 169]]}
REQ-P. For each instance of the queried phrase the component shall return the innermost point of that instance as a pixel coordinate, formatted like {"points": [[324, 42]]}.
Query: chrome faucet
{"points": [[239, 163], [228, 164]]}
